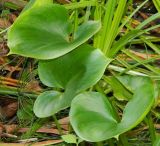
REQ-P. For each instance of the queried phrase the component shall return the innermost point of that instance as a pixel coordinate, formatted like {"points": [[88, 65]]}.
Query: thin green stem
{"points": [[152, 130], [58, 125], [88, 12], [82, 144], [15, 92], [124, 140], [5, 30], [110, 142], [151, 68], [150, 38], [122, 137], [122, 70], [99, 144], [131, 15], [137, 64]]}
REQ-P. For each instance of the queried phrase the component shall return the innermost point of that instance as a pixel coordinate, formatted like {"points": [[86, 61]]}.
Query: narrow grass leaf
{"points": [[115, 25], [123, 41], [157, 4], [148, 20], [107, 21]]}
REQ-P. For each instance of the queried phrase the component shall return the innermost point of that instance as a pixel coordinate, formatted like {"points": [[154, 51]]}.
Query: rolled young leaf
{"points": [[92, 116], [44, 32]]}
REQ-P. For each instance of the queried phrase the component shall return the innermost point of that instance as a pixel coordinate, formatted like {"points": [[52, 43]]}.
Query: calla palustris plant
{"points": [[44, 32], [73, 72]]}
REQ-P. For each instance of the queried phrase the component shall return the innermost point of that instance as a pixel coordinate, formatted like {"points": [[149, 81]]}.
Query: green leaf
{"points": [[69, 138], [47, 103], [93, 118], [157, 4], [81, 68], [44, 32], [74, 72], [50, 102], [35, 2], [157, 142], [148, 20]]}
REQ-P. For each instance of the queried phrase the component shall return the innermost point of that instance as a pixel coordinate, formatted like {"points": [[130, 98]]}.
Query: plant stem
{"points": [[5, 30], [110, 142], [58, 125], [14, 91], [82, 144], [122, 137], [123, 140], [99, 144], [151, 128], [130, 72]]}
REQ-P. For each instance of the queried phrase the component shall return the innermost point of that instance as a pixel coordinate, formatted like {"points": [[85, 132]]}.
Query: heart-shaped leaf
{"points": [[44, 32], [81, 68], [92, 116]]}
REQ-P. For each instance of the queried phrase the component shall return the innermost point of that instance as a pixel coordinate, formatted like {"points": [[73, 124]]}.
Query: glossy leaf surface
{"points": [[92, 116], [43, 106], [44, 32], [80, 69]]}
